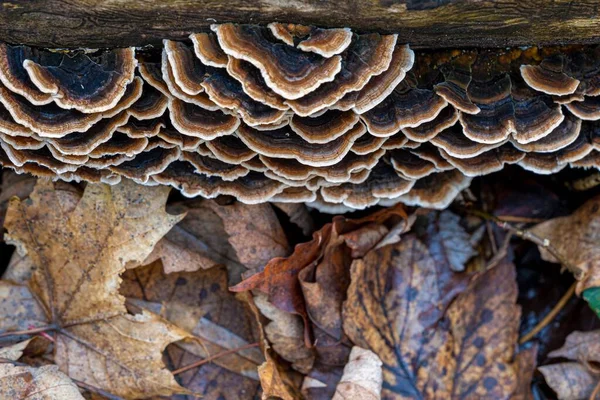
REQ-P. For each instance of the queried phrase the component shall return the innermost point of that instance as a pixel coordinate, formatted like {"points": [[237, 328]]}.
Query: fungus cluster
{"points": [[292, 113]]}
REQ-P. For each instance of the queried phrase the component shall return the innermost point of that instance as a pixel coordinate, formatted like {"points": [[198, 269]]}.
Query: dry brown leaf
{"points": [[362, 377], [286, 335], [200, 303], [525, 364], [13, 184], [433, 346], [44, 383], [78, 257], [299, 215], [240, 236], [275, 381], [576, 239], [447, 241], [574, 380], [570, 380], [15, 351]]}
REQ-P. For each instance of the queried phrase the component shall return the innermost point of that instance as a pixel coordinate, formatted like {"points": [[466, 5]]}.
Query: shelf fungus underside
{"points": [[290, 113]]}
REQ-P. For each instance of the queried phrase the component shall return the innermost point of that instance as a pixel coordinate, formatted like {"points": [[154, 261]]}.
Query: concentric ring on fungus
{"points": [[295, 113]]}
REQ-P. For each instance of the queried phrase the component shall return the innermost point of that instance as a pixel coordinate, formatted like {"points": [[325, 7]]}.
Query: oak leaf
{"points": [[575, 379], [575, 238], [433, 345], [78, 256]]}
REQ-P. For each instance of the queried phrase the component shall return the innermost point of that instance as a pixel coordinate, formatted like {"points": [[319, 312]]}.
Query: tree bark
{"points": [[422, 23]]}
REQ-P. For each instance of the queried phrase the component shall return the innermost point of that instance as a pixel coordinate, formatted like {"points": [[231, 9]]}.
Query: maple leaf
{"points": [[78, 256], [575, 238], [200, 303], [575, 379], [433, 345]]}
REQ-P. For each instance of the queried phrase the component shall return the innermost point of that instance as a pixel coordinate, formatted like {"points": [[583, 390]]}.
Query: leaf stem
{"points": [[213, 357], [31, 331], [550, 316], [529, 236]]}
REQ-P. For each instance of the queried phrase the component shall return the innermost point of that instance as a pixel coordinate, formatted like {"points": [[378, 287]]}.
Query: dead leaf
{"points": [[362, 377], [576, 239], [447, 241], [299, 215], [238, 235], [431, 345], [276, 381], [525, 365], [15, 351], [44, 383], [200, 303], [285, 333], [570, 380], [78, 257], [574, 380], [13, 184]]}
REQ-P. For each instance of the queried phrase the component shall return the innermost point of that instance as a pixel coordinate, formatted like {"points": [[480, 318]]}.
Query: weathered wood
{"points": [[422, 23]]}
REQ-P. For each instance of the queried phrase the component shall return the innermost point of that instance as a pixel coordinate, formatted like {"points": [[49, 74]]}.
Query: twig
{"points": [[29, 331], [550, 316], [213, 357], [595, 392], [96, 390], [527, 235]]}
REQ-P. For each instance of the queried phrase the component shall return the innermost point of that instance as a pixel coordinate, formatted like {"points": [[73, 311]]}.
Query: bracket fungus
{"points": [[291, 113]]}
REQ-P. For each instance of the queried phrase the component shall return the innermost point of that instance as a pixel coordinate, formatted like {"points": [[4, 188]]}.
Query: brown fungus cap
{"points": [[337, 173], [325, 42], [410, 165], [207, 49], [368, 55], [324, 128], [15, 77], [252, 188], [436, 190], [55, 122], [560, 137], [192, 120], [428, 130], [549, 77], [455, 143], [290, 72], [406, 106], [151, 104], [89, 83], [488, 162], [284, 143], [588, 109], [82, 143], [230, 149], [253, 83], [457, 77], [188, 71], [382, 183], [227, 93], [213, 167]]}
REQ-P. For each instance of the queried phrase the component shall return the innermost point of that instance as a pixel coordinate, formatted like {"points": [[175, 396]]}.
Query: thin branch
{"points": [[32, 331], [529, 236], [213, 357], [550, 316]]}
